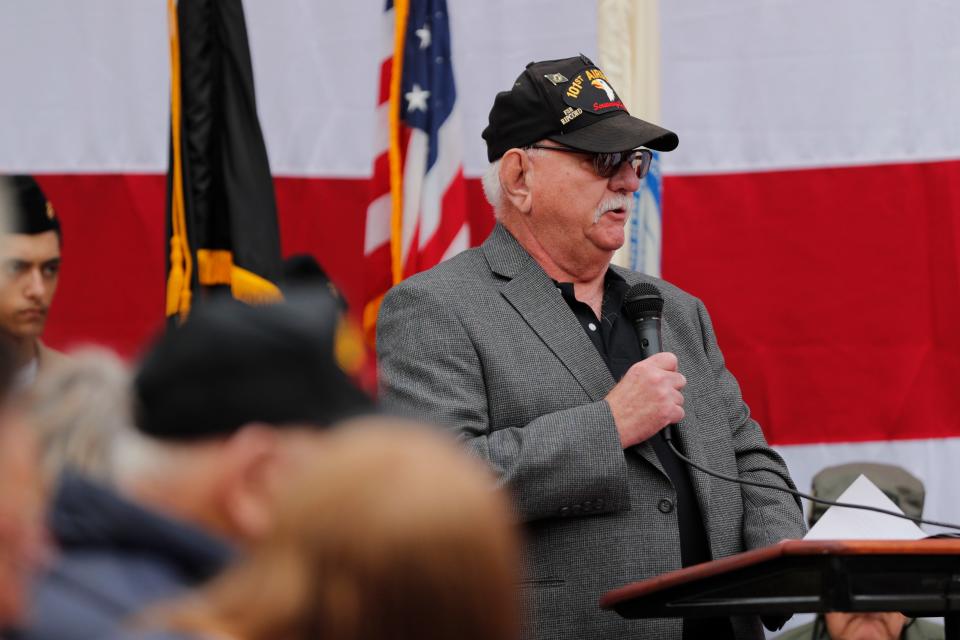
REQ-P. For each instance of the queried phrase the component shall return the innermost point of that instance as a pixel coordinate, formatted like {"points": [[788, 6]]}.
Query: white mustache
{"points": [[618, 201]]}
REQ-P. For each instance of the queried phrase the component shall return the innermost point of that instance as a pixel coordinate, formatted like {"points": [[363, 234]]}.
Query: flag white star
{"points": [[417, 98], [424, 34]]}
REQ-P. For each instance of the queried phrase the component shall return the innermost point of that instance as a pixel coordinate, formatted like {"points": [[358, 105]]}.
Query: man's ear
{"points": [[247, 496], [515, 179]]}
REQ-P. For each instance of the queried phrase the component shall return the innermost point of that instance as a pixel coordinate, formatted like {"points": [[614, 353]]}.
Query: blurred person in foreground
{"points": [[21, 504], [21, 517], [525, 348], [223, 406], [907, 492], [392, 533], [22, 492], [29, 273]]}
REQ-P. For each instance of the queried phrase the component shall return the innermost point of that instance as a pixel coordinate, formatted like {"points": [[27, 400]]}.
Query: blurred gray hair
{"points": [[79, 410]]}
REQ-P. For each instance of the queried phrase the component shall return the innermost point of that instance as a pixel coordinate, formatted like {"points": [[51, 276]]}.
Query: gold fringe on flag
{"points": [[216, 267]]}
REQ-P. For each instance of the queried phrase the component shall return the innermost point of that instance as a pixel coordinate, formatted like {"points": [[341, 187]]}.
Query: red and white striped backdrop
{"points": [[814, 202]]}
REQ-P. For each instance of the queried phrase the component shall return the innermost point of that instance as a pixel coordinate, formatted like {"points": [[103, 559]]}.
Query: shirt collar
{"points": [[614, 290]]}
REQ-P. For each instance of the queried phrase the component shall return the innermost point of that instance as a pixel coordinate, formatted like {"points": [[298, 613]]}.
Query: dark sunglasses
{"points": [[606, 165]]}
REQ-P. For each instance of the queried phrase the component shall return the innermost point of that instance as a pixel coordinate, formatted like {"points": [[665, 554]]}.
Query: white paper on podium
{"points": [[841, 523]]}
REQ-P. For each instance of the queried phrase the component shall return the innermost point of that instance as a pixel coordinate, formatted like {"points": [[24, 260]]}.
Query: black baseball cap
{"points": [[569, 101], [31, 212], [231, 364]]}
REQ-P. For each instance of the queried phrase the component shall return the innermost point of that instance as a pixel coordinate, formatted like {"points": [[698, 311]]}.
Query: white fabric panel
{"points": [[753, 85], [926, 459], [86, 83]]}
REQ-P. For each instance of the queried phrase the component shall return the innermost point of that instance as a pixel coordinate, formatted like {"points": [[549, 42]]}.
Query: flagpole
{"points": [[401, 12]]}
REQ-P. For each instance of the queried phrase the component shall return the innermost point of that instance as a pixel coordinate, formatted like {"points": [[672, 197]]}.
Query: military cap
{"points": [[902, 487], [231, 364], [571, 102], [31, 213]]}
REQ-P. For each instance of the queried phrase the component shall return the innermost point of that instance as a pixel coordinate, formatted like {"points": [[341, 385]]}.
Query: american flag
{"points": [[417, 214]]}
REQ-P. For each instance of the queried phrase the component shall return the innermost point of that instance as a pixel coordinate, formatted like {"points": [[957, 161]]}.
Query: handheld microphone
{"points": [[644, 305]]}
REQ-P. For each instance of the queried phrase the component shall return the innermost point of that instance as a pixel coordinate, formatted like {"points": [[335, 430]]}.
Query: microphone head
{"points": [[643, 300]]}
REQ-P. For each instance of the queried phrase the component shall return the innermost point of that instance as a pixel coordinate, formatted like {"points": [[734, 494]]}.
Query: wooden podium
{"points": [[919, 578]]}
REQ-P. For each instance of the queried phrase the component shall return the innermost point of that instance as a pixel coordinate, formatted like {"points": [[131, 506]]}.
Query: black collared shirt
{"points": [[615, 338]]}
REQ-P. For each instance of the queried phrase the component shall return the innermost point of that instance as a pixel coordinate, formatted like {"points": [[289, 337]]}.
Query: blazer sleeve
{"points": [[769, 515], [563, 464]]}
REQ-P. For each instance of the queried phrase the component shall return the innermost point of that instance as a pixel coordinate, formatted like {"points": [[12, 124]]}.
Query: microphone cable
{"points": [[668, 436]]}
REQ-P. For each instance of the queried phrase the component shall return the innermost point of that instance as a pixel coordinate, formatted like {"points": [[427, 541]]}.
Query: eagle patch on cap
{"points": [[591, 91]]}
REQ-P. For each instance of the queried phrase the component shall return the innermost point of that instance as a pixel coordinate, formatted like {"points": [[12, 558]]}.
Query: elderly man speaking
{"points": [[525, 349]]}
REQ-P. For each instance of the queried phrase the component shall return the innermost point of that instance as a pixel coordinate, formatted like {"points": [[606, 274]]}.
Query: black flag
{"points": [[221, 212]]}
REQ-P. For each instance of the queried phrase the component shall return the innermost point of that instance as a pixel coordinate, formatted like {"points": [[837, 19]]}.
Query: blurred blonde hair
{"points": [[79, 409], [392, 532]]}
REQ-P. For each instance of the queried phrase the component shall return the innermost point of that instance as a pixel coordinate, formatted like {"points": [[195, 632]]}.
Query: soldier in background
{"points": [[907, 493], [29, 272]]}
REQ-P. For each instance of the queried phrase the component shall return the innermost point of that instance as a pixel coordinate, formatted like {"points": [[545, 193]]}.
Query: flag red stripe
{"points": [[834, 292], [386, 67], [845, 335]]}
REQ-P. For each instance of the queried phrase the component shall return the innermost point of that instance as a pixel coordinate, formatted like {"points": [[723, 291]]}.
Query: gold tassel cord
{"points": [[181, 262]]}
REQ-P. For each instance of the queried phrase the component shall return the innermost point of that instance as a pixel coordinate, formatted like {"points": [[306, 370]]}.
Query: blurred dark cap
{"points": [[301, 270], [231, 364], [31, 212], [902, 487]]}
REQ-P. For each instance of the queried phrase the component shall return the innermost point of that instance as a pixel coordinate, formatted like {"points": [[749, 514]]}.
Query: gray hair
{"points": [[79, 409], [492, 188]]}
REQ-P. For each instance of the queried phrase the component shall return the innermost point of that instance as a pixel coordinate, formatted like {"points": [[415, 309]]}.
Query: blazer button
{"points": [[598, 503], [564, 511], [665, 505], [588, 505], [576, 508]]}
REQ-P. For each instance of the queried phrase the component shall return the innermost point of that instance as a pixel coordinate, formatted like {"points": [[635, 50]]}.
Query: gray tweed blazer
{"points": [[485, 345]]}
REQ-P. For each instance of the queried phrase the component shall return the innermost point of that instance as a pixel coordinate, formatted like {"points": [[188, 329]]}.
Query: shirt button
{"points": [[592, 326], [665, 505]]}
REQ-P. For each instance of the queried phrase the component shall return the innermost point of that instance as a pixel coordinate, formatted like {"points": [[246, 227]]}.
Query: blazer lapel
{"points": [[539, 302], [688, 443]]}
